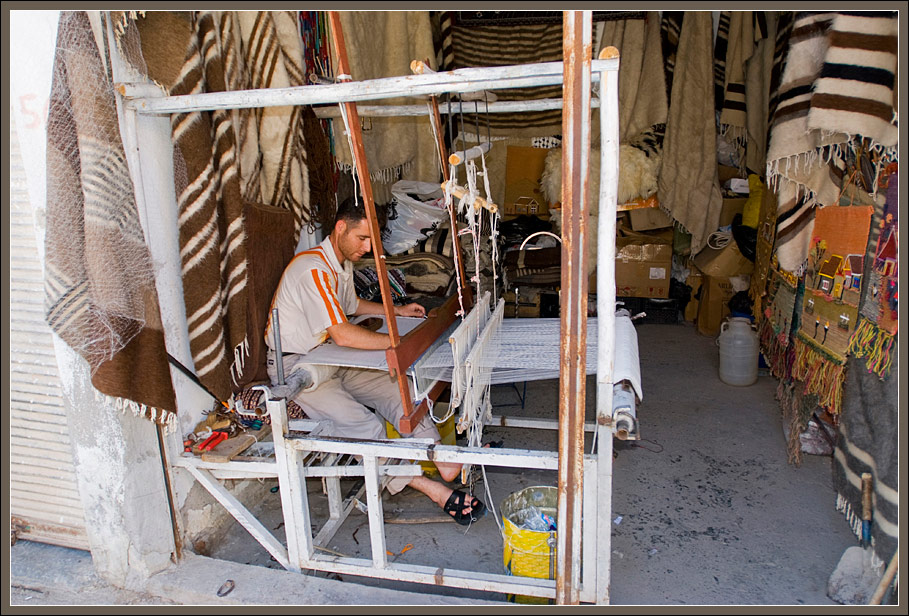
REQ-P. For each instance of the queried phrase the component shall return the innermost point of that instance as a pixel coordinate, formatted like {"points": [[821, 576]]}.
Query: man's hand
{"points": [[410, 310]]}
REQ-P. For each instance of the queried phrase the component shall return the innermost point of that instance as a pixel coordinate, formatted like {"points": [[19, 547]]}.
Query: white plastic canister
{"points": [[739, 349]]}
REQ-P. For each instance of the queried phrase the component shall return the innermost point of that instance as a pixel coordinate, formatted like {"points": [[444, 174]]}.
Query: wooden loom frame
{"points": [[293, 461]]}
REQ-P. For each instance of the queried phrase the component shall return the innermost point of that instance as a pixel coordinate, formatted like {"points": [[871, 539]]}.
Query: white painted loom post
{"points": [[292, 486], [609, 173]]}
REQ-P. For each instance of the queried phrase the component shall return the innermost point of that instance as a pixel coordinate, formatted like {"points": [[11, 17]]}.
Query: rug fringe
{"points": [[162, 417], [872, 342], [821, 374]]}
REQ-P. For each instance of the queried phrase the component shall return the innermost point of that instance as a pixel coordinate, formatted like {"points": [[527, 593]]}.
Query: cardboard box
{"points": [[714, 304], [523, 170], [643, 264], [730, 208], [723, 262], [531, 303], [695, 280], [724, 173], [645, 219]]}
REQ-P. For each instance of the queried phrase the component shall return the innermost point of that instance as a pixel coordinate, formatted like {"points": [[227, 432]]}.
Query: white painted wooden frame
{"points": [[290, 465]]}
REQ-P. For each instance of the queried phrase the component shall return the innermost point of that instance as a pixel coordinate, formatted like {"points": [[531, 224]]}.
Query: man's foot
{"points": [[464, 508]]}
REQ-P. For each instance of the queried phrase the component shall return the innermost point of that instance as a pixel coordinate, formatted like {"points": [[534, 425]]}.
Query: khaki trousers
{"points": [[343, 399]]}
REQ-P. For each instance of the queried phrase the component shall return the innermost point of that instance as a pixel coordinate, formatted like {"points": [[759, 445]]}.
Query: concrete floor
{"points": [[706, 509]]}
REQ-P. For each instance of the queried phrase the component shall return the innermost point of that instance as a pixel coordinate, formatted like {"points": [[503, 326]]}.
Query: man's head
{"points": [[350, 235]]}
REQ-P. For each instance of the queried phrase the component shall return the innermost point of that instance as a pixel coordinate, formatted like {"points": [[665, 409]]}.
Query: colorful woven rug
{"points": [[873, 339]]}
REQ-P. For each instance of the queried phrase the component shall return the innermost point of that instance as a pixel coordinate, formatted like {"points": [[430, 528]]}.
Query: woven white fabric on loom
{"points": [[530, 350]]}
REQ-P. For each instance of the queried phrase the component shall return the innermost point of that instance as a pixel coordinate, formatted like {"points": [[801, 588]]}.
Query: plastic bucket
{"points": [[527, 552], [446, 433]]}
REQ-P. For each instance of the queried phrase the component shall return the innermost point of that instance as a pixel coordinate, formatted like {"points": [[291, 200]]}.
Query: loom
{"points": [[301, 450]]}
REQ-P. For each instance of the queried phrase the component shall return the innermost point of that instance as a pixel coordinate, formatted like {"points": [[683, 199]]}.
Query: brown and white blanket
{"points": [[100, 295], [837, 90]]}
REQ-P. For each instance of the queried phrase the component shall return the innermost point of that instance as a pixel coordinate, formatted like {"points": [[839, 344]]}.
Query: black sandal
{"points": [[456, 504]]}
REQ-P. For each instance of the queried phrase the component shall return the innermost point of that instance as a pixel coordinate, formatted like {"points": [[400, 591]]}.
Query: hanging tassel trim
{"points": [[821, 374], [875, 344]]}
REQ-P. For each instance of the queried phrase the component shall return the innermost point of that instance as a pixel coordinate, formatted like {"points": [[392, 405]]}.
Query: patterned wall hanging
{"points": [[878, 323], [766, 234], [779, 321], [833, 284]]}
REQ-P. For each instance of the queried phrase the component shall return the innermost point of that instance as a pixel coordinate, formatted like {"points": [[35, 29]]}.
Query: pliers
{"points": [[212, 441]]}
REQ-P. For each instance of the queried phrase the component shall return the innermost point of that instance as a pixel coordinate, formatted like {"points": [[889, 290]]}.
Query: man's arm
{"points": [[349, 335], [408, 310], [356, 337]]}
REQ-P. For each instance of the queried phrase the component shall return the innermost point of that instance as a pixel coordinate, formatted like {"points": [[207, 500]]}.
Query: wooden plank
{"points": [[507, 421], [576, 49], [410, 516], [294, 499], [406, 449], [408, 424], [226, 451], [416, 341], [589, 507]]}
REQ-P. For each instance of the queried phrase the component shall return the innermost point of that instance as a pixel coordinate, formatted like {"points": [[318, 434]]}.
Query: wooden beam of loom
{"points": [[400, 353], [422, 68]]}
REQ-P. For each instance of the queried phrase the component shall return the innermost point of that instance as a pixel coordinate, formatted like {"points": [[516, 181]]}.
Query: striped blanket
{"points": [[190, 53], [100, 295], [212, 233], [738, 34], [500, 45], [277, 169], [868, 441], [837, 88], [227, 160]]}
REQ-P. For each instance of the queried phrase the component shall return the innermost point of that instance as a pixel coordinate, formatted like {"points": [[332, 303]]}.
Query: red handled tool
{"points": [[212, 441]]}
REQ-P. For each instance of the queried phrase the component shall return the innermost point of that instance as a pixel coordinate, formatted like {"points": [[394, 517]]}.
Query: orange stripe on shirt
{"points": [[317, 251], [334, 296], [332, 312]]}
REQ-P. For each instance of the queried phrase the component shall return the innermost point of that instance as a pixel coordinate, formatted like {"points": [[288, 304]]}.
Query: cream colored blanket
{"points": [[688, 187], [383, 44]]}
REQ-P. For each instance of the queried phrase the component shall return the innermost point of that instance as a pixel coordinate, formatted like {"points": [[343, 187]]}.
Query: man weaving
{"points": [[314, 298]]}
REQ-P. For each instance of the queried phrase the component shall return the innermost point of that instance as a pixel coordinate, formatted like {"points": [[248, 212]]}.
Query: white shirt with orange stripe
{"points": [[315, 293]]}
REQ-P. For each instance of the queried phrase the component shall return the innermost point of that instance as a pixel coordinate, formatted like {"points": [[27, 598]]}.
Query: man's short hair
{"points": [[350, 212]]}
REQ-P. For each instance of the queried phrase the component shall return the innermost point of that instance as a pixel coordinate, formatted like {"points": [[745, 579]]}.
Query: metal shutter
{"points": [[44, 498]]}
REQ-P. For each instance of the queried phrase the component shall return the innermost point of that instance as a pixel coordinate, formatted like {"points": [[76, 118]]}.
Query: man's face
{"points": [[353, 240]]}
